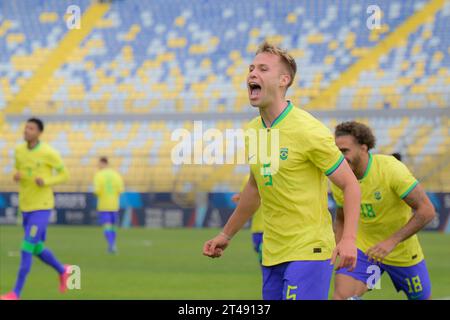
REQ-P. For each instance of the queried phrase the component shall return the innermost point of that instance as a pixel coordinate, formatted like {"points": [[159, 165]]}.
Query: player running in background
{"points": [[299, 247], [257, 224], [108, 185], [38, 168], [387, 228]]}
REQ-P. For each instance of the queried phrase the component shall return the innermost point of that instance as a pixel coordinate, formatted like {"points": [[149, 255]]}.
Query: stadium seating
{"points": [[173, 56], [142, 150], [181, 57]]}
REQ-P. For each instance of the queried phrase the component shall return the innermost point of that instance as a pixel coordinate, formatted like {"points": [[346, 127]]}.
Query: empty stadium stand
{"points": [[137, 70]]}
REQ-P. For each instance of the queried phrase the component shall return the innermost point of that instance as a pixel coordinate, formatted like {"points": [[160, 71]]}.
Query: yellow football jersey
{"points": [[293, 186], [108, 185], [385, 183], [40, 162], [257, 225]]}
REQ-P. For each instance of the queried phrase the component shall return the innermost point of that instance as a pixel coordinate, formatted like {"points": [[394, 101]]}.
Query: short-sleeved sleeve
{"points": [[322, 150], [402, 181]]}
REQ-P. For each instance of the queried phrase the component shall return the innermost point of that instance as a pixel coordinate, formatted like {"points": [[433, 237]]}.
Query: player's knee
{"points": [[340, 294], [343, 291]]}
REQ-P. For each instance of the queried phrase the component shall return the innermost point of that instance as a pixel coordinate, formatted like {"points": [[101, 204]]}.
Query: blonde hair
{"points": [[287, 60]]}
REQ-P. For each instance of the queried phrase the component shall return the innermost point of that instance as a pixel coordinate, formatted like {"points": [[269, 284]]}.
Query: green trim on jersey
{"points": [[335, 166], [281, 116], [36, 147], [405, 194], [369, 164]]}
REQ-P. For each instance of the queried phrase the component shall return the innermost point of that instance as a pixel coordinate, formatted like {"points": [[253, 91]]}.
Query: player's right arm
{"points": [[424, 212], [62, 174], [247, 206], [408, 189]]}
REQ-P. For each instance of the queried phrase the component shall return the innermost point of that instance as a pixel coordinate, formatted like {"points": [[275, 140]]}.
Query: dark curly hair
{"points": [[362, 133]]}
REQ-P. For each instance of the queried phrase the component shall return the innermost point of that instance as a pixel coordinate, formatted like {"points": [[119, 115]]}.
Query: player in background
{"points": [[108, 185], [299, 248], [38, 167], [257, 224], [387, 228]]}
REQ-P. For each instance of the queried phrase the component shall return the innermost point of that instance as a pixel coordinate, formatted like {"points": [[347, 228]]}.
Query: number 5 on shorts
{"points": [[290, 296]]}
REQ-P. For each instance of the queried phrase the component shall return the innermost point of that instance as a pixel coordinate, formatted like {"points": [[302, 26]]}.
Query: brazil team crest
{"points": [[377, 195], [283, 153]]}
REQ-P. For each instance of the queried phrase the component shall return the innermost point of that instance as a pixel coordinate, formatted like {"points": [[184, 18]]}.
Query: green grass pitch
{"points": [[168, 264]]}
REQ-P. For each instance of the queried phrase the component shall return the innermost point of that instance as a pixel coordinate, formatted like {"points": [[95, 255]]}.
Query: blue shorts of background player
{"points": [[109, 220], [413, 280]]}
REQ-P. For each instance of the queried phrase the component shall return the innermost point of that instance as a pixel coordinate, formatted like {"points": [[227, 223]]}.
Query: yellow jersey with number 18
{"points": [[384, 185], [297, 223]]}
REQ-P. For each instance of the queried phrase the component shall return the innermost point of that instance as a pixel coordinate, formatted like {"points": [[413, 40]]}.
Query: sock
{"points": [[113, 238], [47, 256], [109, 238], [25, 266]]}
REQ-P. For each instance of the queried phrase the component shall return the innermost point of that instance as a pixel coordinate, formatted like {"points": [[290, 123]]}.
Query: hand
{"points": [[235, 198], [214, 248], [379, 251], [347, 252], [39, 182], [17, 177]]}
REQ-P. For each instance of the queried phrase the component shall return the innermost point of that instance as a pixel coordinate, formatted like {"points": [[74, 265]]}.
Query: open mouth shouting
{"points": [[254, 90]]}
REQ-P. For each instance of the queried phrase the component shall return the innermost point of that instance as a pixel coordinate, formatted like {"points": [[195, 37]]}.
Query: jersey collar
{"points": [[369, 164], [35, 147], [281, 116]]}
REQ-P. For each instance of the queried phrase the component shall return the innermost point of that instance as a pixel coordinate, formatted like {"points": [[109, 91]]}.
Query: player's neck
{"points": [[32, 144], [362, 168], [272, 111]]}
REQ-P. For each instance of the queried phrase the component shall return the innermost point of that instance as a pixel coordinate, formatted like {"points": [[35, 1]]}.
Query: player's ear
{"points": [[284, 80]]}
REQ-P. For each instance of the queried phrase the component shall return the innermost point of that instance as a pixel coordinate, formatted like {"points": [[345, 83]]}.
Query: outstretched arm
{"points": [[344, 178]]}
